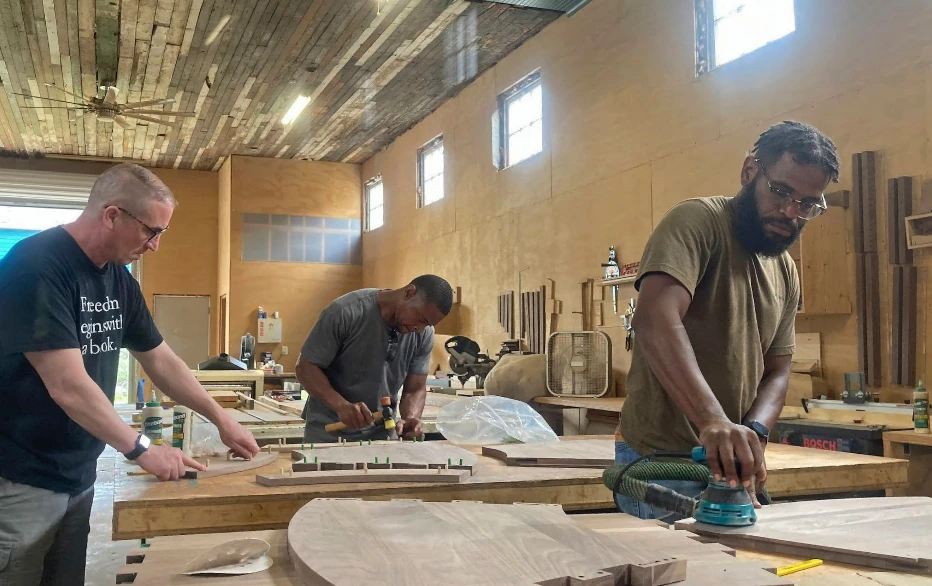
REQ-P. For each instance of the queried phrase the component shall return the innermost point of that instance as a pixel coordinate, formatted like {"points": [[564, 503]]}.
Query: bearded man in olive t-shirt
{"points": [[718, 294]]}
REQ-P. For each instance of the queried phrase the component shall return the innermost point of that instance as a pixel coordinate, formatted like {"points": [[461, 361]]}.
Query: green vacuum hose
{"points": [[632, 480]]}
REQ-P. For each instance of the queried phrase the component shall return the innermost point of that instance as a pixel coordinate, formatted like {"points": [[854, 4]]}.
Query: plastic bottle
{"points": [[920, 409], [152, 420], [261, 313], [181, 429], [140, 393]]}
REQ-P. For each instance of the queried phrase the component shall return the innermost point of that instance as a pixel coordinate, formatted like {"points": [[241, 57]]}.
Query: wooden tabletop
{"points": [[598, 403], [163, 559], [144, 507], [908, 437]]}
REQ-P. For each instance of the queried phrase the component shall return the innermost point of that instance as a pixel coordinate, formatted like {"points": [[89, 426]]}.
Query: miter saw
{"points": [[467, 360]]}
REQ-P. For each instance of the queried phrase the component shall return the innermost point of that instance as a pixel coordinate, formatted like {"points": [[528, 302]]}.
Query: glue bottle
{"points": [[920, 409], [152, 420], [181, 429]]}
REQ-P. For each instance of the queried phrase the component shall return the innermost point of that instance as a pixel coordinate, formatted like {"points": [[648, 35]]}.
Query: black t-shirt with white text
{"points": [[53, 297]]}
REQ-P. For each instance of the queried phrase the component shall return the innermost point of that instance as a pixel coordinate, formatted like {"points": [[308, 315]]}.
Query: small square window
{"points": [[521, 123], [728, 29], [430, 172], [375, 204]]}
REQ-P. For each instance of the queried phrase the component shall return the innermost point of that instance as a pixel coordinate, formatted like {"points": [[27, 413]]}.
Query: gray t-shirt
{"points": [[350, 344]]}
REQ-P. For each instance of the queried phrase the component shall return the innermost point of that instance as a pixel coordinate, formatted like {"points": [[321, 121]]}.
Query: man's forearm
{"points": [[673, 361], [412, 402], [771, 396], [81, 398], [315, 382]]}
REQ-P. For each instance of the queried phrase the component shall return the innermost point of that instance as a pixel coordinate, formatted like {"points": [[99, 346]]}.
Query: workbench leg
{"points": [[897, 450]]}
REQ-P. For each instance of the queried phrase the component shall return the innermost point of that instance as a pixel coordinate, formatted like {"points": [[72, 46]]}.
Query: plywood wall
{"points": [[629, 131], [186, 260], [297, 291]]}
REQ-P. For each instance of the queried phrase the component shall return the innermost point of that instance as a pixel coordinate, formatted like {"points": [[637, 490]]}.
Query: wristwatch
{"points": [[760, 429], [142, 444]]}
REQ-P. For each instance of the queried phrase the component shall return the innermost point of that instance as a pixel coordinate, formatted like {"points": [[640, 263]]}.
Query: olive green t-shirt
{"points": [[743, 306]]}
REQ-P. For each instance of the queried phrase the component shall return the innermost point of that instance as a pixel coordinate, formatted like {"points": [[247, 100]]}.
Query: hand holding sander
{"points": [[719, 504], [385, 416]]}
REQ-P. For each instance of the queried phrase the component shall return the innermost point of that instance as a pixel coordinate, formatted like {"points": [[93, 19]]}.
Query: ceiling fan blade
{"points": [[159, 112], [147, 119], [63, 90], [149, 103], [53, 108], [50, 99], [121, 121]]}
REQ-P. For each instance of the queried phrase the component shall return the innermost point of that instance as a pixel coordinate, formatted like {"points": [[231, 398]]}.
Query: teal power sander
{"points": [[718, 504]]}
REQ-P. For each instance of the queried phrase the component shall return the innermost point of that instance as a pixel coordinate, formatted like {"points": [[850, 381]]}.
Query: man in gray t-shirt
{"points": [[366, 345]]}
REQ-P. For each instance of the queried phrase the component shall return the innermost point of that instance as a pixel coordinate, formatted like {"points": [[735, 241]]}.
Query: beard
{"points": [[750, 226]]}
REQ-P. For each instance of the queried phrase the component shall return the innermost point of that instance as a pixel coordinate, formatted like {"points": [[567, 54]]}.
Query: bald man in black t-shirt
{"points": [[67, 306]]}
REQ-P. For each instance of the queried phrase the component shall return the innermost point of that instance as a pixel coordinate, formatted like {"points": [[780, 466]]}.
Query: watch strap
{"points": [[137, 451]]}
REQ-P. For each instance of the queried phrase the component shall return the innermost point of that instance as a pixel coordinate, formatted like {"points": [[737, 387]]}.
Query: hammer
{"points": [[385, 416]]}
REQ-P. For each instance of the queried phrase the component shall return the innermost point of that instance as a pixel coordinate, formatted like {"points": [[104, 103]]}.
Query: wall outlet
{"points": [[284, 350]]}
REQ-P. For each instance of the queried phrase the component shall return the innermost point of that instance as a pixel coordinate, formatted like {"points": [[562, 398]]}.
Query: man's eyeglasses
{"points": [[392, 346], [153, 232], [807, 209]]}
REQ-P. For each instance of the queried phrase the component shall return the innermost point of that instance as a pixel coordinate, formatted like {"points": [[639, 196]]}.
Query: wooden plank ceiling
{"points": [[372, 68]]}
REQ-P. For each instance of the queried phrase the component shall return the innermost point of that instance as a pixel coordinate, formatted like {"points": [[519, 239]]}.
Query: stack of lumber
{"points": [[225, 396]]}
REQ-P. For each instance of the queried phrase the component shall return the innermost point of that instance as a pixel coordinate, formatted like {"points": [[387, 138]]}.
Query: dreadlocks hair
{"points": [[805, 142]]}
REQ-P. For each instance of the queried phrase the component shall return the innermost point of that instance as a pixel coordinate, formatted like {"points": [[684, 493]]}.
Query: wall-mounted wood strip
{"points": [[909, 316], [857, 203], [896, 325], [869, 190], [872, 373]]}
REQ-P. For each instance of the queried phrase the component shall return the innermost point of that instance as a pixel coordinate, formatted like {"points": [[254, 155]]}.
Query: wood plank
{"points": [[872, 309], [896, 326], [883, 533], [368, 475], [858, 203], [861, 325], [560, 454], [706, 564], [909, 317], [467, 543], [235, 502]]}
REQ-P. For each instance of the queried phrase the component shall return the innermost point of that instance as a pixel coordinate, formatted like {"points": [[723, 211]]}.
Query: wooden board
{"points": [[883, 533], [391, 454], [573, 454], [310, 477], [808, 348], [597, 403], [145, 508], [220, 466], [463, 543], [708, 564], [899, 206]]}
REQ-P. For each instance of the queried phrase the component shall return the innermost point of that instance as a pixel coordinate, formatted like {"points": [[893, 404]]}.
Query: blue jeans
{"points": [[625, 454]]}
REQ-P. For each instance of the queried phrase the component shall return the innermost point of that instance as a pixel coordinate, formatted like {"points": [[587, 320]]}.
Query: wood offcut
{"points": [[593, 453]]}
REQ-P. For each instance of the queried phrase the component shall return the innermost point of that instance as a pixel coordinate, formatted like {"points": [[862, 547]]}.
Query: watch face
{"points": [[144, 441]]}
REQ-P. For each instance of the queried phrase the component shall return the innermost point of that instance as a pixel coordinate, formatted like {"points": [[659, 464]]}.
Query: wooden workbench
{"points": [[917, 449], [144, 507], [168, 554]]}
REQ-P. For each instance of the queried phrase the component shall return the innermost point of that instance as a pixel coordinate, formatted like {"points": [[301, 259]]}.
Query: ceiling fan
{"points": [[108, 110]]}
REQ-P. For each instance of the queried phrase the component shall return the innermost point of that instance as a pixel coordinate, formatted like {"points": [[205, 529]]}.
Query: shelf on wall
{"points": [[618, 280]]}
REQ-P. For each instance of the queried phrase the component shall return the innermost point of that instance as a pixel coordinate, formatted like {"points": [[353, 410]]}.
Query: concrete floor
{"points": [[104, 557]]}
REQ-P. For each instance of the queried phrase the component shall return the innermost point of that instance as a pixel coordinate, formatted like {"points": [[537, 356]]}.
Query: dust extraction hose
{"points": [[632, 480]]}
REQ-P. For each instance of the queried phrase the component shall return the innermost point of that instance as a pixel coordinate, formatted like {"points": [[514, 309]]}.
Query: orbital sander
{"points": [[718, 504]]}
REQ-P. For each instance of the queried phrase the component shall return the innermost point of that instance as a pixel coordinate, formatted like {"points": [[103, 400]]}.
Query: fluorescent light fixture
{"points": [[299, 104]]}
